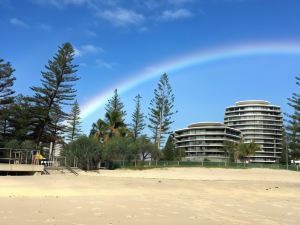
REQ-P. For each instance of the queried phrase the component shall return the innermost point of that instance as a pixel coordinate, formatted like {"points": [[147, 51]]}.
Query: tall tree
{"points": [[56, 126], [161, 110], [293, 124], [22, 116], [57, 89], [6, 97], [115, 105], [137, 125], [169, 149], [73, 128], [6, 82]]}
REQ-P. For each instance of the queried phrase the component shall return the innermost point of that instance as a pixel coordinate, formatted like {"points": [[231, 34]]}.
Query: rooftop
{"points": [[206, 124], [252, 102]]}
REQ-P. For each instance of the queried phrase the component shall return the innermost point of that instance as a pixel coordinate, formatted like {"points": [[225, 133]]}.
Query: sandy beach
{"points": [[157, 196]]}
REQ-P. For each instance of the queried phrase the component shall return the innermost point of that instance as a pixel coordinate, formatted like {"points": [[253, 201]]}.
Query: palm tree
{"points": [[99, 130], [111, 126], [248, 149], [113, 122], [230, 149]]}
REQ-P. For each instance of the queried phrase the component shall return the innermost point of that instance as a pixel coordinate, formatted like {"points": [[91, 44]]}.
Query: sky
{"points": [[128, 44]]}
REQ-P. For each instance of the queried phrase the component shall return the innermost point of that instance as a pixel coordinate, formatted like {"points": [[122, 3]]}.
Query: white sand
{"points": [[157, 196]]}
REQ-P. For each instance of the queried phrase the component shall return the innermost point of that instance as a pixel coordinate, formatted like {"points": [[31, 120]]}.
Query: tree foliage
{"points": [[6, 98], [161, 110], [113, 123], [118, 148], [239, 151], [21, 112], [137, 125], [293, 124], [115, 105], [143, 148], [57, 89], [87, 151], [73, 128], [6, 82]]}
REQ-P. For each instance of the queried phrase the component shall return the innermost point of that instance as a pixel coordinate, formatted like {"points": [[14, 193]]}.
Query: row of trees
{"points": [[117, 140], [43, 117], [52, 114], [88, 152]]}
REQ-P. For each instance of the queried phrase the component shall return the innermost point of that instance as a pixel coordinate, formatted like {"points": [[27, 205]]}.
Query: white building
{"points": [[261, 122], [205, 140]]}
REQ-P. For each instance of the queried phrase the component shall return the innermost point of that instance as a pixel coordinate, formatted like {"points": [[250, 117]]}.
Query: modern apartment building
{"points": [[202, 141], [261, 122]]}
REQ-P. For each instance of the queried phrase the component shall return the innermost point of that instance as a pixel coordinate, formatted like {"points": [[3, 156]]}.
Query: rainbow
{"points": [[188, 60]]}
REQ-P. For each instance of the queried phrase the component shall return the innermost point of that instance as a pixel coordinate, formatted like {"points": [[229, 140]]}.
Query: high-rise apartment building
{"points": [[261, 122]]}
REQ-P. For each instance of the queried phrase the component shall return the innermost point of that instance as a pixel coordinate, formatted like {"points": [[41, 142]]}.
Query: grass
{"points": [[165, 164]]}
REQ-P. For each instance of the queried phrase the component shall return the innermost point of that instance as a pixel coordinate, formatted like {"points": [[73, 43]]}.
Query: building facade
{"points": [[202, 141], [261, 122]]}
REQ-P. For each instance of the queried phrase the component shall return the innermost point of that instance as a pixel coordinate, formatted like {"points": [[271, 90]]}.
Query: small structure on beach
{"points": [[20, 161]]}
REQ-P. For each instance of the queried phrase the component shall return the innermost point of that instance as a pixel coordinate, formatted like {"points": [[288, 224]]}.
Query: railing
{"points": [[17, 156], [206, 164]]}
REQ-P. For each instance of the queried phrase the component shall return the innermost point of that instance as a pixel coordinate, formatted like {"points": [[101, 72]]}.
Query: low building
{"points": [[205, 141]]}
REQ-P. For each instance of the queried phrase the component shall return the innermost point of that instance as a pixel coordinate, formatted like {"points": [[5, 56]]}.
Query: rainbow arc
{"points": [[196, 58]]}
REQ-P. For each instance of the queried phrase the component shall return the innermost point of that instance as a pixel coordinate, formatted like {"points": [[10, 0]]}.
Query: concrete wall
{"points": [[21, 168]]}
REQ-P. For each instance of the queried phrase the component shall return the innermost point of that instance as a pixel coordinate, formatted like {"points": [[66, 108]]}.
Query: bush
{"points": [[14, 144], [87, 151]]}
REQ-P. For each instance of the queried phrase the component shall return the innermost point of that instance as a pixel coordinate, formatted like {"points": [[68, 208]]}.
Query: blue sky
{"points": [[114, 39]]}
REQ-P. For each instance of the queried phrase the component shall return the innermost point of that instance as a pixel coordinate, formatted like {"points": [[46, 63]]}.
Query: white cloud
{"points": [[91, 49], [104, 64], [94, 4], [122, 17], [175, 14], [18, 22], [77, 52], [60, 3], [87, 49]]}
